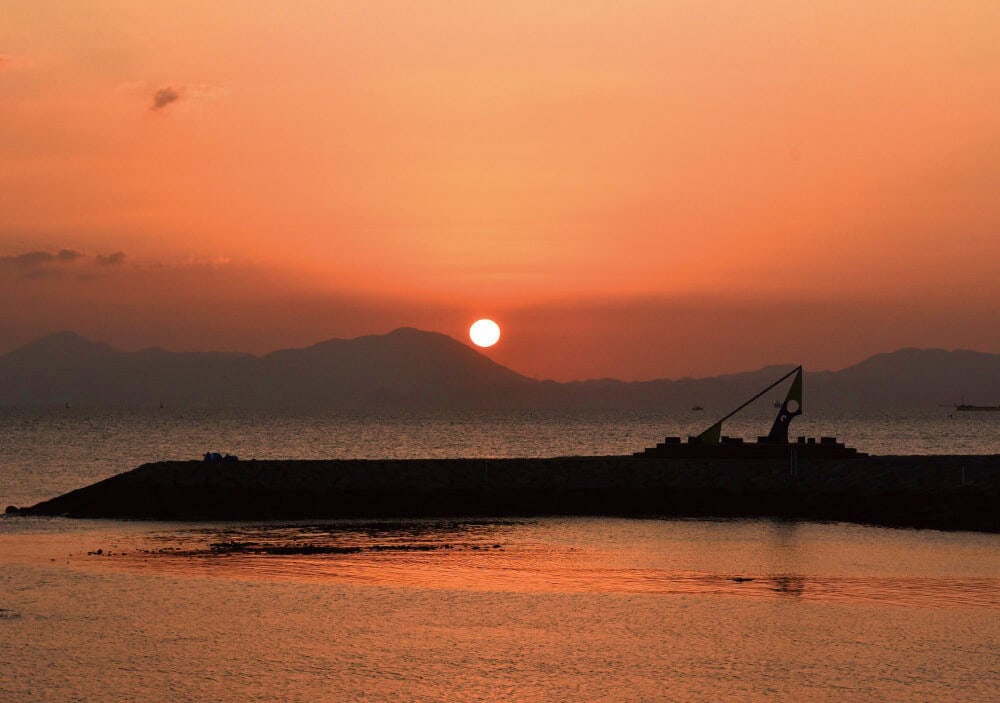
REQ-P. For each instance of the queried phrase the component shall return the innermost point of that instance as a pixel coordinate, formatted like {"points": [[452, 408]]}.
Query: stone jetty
{"points": [[941, 492]]}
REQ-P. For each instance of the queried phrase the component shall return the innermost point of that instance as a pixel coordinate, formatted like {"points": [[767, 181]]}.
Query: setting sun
{"points": [[484, 333]]}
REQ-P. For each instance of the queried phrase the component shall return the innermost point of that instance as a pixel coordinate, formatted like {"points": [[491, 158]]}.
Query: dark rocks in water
{"points": [[233, 547], [11, 510]]}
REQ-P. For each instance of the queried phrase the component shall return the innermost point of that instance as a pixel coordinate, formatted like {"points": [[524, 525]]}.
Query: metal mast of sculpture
{"points": [[791, 408]]}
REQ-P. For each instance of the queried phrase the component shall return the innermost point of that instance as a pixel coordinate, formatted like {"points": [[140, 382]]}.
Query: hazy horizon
{"points": [[484, 352]]}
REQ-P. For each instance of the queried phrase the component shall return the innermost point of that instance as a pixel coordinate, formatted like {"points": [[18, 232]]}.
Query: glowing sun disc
{"points": [[484, 333]]}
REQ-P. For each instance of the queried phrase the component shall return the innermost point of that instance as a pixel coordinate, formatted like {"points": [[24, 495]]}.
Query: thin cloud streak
{"points": [[173, 94], [38, 258], [35, 265], [116, 259], [164, 97]]}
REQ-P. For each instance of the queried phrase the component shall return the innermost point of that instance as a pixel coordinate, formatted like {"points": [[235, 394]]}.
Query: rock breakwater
{"points": [[942, 492]]}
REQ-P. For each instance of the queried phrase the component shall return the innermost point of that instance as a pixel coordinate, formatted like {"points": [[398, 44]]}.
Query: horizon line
{"points": [[479, 351]]}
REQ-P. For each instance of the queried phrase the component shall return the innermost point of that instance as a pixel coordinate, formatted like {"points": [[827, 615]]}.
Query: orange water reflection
{"points": [[561, 610], [523, 557]]}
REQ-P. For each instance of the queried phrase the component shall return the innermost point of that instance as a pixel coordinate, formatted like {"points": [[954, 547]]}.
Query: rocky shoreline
{"points": [[940, 492]]}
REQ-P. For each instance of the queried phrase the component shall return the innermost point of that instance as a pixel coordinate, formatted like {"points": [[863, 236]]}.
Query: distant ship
{"points": [[965, 407]]}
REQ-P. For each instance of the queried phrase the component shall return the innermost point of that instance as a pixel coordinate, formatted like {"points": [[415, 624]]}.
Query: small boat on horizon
{"points": [[966, 407]]}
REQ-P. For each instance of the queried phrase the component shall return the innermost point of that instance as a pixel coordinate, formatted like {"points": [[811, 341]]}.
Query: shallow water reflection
{"points": [[536, 610], [567, 556]]}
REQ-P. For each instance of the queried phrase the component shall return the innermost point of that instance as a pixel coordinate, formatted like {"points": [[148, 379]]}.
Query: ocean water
{"points": [[581, 609], [45, 452]]}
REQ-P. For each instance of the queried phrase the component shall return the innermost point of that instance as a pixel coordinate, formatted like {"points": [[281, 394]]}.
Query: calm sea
{"points": [[47, 451], [478, 610]]}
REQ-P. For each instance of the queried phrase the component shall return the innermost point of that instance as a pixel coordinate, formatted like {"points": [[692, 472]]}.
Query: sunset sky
{"points": [[631, 189]]}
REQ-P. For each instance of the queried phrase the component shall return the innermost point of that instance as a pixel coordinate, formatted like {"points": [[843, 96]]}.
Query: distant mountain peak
{"points": [[414, 334], [63, 336], [402, 338], [63, 343]]}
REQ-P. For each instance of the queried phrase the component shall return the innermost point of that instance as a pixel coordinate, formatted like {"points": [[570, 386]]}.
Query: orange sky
{"points": [[632, 189]]}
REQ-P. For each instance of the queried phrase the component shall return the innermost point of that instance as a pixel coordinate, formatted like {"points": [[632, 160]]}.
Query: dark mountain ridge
{"points": [[409, 368]]}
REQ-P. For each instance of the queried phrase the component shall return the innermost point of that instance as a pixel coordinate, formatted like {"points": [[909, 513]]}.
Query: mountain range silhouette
{"points": [[410, 368]]}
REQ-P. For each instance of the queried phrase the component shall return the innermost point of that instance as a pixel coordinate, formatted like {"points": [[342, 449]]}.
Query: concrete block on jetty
{"points": [[943, 492]]}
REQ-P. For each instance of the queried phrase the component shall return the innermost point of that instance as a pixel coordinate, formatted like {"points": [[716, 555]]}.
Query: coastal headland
{"points": [[941, 492]]}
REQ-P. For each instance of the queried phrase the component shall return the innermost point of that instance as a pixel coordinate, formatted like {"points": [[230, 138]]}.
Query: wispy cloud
{"points": [[167, 95], [33, 259], [164, 96], [84, 266], [39, 264], [45, 264], [211, 262], [116, 259]]}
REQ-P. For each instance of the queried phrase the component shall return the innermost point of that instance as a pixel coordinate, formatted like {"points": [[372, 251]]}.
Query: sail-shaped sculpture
{"points": [[713, 446], [791, 408]]}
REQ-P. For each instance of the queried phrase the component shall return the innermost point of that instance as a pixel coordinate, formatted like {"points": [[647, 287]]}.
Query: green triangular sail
{"points": [[712, 435]]}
